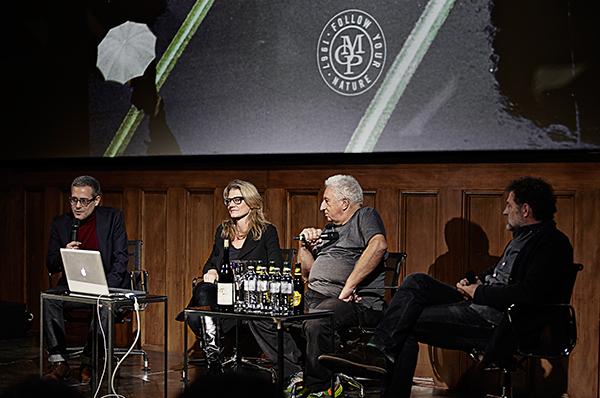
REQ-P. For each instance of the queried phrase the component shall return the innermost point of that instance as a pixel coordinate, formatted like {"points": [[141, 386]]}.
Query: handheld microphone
{"points": [[74, 229], [471, 277], [325, 235]]}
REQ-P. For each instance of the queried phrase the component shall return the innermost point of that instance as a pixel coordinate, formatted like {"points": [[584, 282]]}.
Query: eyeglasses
{"points": [[236, 200], [85, 202]]}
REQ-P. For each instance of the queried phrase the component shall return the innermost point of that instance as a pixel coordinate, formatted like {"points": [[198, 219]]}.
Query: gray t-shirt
{"points": [[335, 260]]}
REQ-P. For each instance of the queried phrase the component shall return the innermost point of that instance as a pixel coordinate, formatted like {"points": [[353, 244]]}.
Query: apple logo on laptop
{"points": [[83, 272]]}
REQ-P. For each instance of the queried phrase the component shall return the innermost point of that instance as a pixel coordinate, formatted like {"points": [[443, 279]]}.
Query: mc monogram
{"points": [[351, 52]]}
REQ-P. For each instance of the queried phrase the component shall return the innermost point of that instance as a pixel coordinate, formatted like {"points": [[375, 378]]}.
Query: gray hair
{"points": [[345, 187], [88, 181]]}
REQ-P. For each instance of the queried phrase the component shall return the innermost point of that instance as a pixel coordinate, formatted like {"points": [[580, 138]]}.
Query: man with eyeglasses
{"points": [[96, 228]]}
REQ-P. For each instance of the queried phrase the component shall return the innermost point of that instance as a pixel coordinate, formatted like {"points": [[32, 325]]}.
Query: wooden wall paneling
{"points": [[220, 212], [584, 362], [200, 232], [154, 232], [113, 198], [5, 228], [419, 232], [369, 198], [565, 216], [485, 230], [132, 206], [448, 365], [36, 273], [275, 207], [452, 239], [303, 210], [176, 262], [467, 245], [54, 205], [12, 285], [388, 207]]}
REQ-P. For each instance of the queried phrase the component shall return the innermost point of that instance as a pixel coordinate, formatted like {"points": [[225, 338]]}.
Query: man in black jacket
{"points": [[533, 269], [99, 228]]}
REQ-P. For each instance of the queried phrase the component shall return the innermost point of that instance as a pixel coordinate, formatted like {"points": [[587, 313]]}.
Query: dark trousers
{"points": [[54, 325], [427, 311], [317, 333]]}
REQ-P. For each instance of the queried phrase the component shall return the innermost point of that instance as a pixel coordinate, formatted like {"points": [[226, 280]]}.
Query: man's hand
{"points": [[312, 236], [211, 276], [348, 294], [468, 290], [73, 245]]}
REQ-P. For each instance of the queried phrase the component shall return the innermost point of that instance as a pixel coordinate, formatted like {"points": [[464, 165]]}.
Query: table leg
{"points": [[280, 354], [185, 350], [332, 327], [41, 336], [166, 344], [95, 373], [109, 346]]}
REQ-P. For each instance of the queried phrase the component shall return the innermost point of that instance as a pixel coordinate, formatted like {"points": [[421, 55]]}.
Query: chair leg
{"points": [[146, 367], [506, 384]]}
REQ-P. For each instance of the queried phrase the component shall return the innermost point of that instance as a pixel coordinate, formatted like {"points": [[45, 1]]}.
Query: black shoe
{"points": [[58, 371], [363, 361]]}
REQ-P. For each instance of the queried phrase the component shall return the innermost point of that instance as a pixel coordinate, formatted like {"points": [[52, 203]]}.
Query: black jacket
{"points": [[538, 274], [112, 242], [266, 248], [543, 273]]}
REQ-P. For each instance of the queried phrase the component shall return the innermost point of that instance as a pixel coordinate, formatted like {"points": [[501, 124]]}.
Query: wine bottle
{"points": [[225, 283]]}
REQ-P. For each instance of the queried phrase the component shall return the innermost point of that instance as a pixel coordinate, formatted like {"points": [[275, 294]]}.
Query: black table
{"points": [[112, 304], [279, 321]]}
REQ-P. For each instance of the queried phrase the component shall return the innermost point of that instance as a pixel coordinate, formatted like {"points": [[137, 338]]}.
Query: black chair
{"points": [[138, 278], [546, 331], [362, 333]]}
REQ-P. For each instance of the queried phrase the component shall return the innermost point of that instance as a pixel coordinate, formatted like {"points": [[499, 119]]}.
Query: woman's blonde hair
{"points": [[256, 218]]}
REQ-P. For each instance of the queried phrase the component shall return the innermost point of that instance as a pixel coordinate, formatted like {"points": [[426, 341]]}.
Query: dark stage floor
{"points": [[19, 360]]}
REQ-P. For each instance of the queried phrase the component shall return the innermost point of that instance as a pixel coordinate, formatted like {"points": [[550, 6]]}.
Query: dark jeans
{"points": [[317, 333], [427, 311]]}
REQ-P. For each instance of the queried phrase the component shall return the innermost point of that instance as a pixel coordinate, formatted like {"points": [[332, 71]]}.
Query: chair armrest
{"points": [[547, 330]]}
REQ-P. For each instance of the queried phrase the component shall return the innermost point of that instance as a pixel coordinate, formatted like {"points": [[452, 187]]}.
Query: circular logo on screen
{"points": [[351, 52]]}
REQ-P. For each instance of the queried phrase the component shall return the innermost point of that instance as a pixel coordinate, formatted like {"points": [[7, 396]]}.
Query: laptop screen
{"points": [[84, 271]]}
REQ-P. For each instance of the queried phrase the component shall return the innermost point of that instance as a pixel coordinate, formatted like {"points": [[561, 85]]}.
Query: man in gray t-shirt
{"points": [[345, 275], [334, 261]]}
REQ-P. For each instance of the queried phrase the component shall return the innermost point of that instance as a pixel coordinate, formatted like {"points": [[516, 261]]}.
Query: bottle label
{"points": [[250, 285], [225, 294], [263, 286], [275, 287], [297, 299], [286, 288]]}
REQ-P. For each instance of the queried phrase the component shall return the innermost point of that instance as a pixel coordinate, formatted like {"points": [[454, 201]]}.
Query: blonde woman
{"points": [[251, 237]]}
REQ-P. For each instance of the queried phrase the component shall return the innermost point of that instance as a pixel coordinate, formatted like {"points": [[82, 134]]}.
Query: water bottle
{"points": [[250, 303], [287, 290], [275, 289], [262, 290], [239, 271]]}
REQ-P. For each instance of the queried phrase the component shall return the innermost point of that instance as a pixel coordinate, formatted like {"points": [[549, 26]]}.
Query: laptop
{"points": [[85, 274]]}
